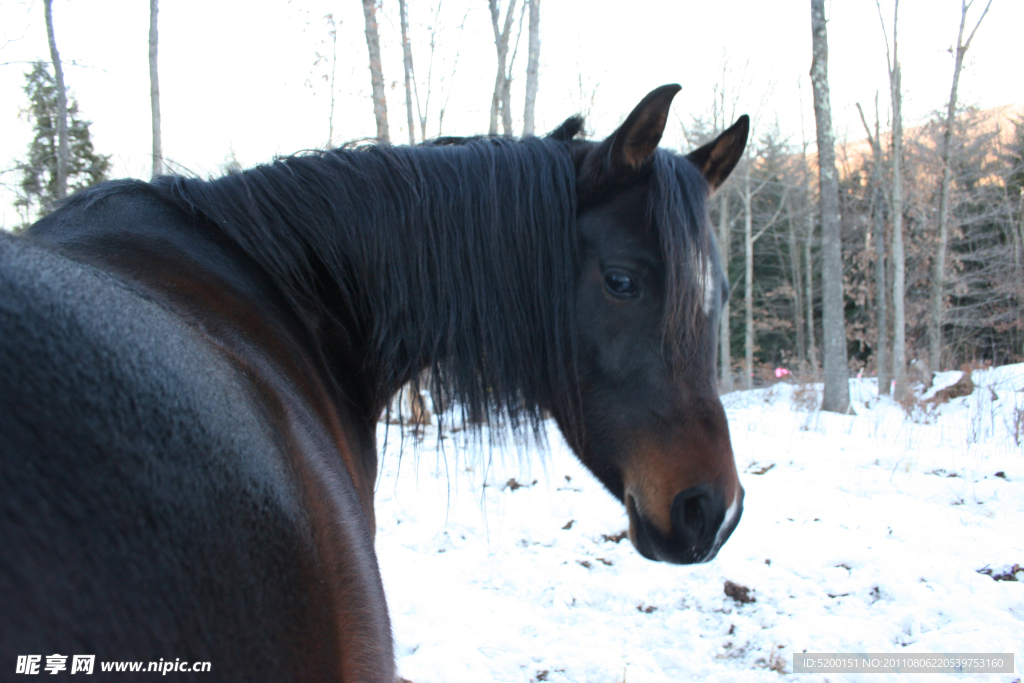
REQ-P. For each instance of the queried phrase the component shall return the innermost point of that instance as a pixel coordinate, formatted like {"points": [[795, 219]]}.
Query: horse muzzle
{"points": [[702, 520]]}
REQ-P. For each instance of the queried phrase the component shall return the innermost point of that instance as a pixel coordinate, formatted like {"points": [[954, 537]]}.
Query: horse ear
{"points": [[638, 137], [718, 158], [568, 130]]}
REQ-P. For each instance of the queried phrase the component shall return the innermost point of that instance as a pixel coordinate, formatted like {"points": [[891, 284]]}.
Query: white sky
{"points": [[236, 76]]}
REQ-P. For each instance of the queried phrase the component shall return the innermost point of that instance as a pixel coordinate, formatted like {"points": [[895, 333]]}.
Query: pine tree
{"points": [[38, 187]]}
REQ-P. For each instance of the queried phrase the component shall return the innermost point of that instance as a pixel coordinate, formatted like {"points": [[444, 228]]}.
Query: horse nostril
{"points": [[692, 513]]}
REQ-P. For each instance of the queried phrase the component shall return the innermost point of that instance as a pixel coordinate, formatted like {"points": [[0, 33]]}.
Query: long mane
{"points": [[461, 256]]}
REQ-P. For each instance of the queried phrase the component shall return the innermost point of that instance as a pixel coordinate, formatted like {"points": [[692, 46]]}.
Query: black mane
{"points": [[459, 255]]}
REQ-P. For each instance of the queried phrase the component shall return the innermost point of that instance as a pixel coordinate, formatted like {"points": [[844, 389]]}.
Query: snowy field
{"points": [[869, 532]]}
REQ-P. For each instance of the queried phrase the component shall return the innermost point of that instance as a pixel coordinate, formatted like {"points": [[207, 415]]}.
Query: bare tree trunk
{"points": [[154, 91], [878, 235], [812, 349], [532, 66], [836, 396], [749, 239], [407, 64], [334, 68], [1018, 245], [724, 331], [899, 351], [939, 260], [380, 105], [797, 280], [506, 90], [506, 105], [748, 281], [808, 284], [423, 112], [501, 37], [881, 287], [63, 148], [445, 94]]}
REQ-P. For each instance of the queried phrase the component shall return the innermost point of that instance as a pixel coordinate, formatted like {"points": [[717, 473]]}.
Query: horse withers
{"points": [[191, 374]]}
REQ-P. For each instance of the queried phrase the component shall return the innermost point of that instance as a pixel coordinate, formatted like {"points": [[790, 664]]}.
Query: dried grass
{"points": [[806, 397]]}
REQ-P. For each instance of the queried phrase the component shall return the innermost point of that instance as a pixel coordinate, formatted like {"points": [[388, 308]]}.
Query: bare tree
{"points": [[407, 64], [423, 110], [506, 91], [333, 33], [501, 82], [720, 120], [808, 269], [532, 67], [878, 235], [327, 73], [724, 329], [154, 91], [836, 396], [812, 347], [899, 351], [796, 278], [747, 194], [63, 149], [445, 81], [939, 260], [380, 105]]}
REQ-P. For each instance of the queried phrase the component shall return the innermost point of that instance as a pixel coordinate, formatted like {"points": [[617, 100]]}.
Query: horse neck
{"points": [[460, 258]]}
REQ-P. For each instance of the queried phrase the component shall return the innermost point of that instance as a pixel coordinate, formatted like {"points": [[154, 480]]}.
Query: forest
{"points": [[769, 210]]}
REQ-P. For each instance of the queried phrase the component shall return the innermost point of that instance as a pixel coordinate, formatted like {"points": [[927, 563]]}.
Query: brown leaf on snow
{"points": [[739, 593]]}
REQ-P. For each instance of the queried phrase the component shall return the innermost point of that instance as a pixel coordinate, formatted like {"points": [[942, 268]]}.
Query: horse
{"points": [[192, 371]]}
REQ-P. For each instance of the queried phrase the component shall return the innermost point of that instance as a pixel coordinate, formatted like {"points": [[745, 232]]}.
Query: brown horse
{"points": [[191, 373]]}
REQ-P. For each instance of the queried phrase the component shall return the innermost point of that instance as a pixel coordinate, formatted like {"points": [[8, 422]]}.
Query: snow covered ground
{"points": [[861, 533]]}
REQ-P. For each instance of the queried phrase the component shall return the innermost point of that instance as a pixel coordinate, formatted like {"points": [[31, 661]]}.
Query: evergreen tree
{"points": [[38, 186]]}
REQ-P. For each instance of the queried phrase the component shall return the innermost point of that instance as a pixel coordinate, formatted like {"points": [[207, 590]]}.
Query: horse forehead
{"points": [[621, 224]]}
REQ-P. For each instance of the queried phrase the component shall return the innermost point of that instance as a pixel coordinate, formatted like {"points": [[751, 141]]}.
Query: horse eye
{"points": [[620, 284]]}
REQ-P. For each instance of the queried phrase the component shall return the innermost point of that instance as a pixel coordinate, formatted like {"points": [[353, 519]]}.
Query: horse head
{"points": [[650, 291]]}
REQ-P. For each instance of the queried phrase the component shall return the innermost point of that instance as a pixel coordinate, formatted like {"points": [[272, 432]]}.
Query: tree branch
{"points": [[967, 6], [782, 204]]}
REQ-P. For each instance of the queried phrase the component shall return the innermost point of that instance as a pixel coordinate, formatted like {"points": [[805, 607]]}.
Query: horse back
{"points": [[150, 499]]}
